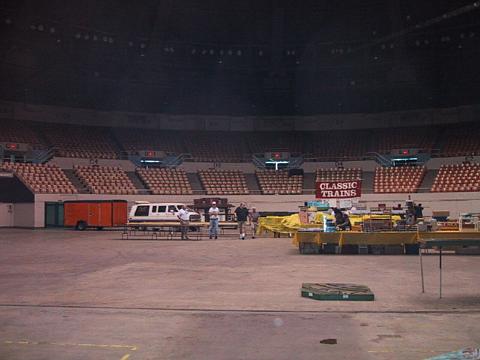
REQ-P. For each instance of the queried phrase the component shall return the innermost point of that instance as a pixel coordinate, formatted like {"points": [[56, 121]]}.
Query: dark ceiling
{"points": [[241, 57]]}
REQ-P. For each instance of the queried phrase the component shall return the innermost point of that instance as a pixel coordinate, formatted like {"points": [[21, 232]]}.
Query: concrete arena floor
{"points": [[90, 295]]}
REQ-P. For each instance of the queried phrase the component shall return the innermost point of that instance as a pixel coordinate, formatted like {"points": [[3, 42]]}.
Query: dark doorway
{"points": [[53, 214]]}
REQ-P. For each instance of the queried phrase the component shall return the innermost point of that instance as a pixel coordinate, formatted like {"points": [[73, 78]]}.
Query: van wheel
{"points": [[81, 225]]}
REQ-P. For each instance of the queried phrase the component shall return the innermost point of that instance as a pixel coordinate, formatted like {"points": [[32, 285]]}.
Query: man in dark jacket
{"points": [[241, 213]]}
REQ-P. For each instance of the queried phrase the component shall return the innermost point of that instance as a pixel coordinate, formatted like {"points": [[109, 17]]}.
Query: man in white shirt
{"points": [[213, 213], [184, 218]]}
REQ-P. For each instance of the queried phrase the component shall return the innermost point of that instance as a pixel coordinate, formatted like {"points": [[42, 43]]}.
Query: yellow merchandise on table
{"points": [[291, 223], [288, 224]]}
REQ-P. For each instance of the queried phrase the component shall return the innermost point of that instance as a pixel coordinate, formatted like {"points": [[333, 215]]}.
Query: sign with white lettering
{"points": [[338, 189]]}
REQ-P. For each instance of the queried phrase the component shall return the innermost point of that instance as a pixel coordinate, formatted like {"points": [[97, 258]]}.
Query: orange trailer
{"points": [[95, 213]]}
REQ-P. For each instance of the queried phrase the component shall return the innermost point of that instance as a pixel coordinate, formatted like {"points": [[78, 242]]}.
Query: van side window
{"points": [[172, 208], [154, 209], [161, 209], [142, 210]]}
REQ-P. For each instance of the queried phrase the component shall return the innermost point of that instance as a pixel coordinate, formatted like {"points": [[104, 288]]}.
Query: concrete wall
{"points": [[456, 203], [6, 215], [366, 165], [90, 117], [68, 163], [191, 167], [24, 215]]}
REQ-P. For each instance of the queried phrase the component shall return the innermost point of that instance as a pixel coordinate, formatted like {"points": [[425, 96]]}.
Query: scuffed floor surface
{"points": [[91, 295]]}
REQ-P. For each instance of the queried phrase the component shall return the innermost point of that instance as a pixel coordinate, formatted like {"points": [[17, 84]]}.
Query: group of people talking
{"points": [[243, 215]]}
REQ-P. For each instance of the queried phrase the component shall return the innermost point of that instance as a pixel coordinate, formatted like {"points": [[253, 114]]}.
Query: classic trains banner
{"points": [[338, 189]]}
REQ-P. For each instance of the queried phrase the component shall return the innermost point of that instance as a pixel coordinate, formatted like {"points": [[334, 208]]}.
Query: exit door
{"points": [[6, 215], [53, 214]]}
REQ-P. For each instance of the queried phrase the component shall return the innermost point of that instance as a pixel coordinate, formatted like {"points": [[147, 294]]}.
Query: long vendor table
{"points": [[156, 229], [376, 238], [440, 244]]}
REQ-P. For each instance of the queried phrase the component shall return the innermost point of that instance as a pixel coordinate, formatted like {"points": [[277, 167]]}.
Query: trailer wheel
{"points": [[81, 225]]}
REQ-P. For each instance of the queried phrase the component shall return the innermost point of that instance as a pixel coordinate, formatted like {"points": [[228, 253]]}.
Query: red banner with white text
{"points": [[338, 189]]}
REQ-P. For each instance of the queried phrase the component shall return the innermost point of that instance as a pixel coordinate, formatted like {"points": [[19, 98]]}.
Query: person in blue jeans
{"points": [[213, 213]]}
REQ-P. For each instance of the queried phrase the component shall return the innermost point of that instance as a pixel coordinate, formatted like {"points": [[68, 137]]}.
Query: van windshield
{"points": [[142, 210]]}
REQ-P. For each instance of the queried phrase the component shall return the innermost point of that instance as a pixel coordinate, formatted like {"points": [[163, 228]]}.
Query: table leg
{"points": [[440, 259], [421, 268]]}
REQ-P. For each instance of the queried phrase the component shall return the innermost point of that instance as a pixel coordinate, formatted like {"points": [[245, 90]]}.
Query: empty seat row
{"points": [[165, 181], [279, 182], [223, 182], [105, 180], [42, 178], [457, 178], [398, 179]]}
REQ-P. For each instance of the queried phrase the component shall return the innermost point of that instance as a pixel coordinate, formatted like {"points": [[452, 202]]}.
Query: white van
{"points": [[144, 211]]}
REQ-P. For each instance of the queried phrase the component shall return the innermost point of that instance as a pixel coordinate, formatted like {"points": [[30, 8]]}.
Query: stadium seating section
{"points": [[105, 180], [461, 141], [80, 142], [216, 147], [385, 140], [223, 182], [279, 182], [261, 142], [165, 181], [338, 174], [77, 141], [405, 179], [19, 132], [459, 177], [42, 178], [340, 145], [134, 140], [106, 143]]}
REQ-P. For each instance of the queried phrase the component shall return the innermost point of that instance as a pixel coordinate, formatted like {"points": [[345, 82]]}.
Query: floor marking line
{"points": [[253, 311], [98, 346], [408, 350], [125, 357]]}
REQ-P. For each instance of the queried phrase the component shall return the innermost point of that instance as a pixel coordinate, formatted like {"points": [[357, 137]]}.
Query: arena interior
{"points": [[350, 130]]}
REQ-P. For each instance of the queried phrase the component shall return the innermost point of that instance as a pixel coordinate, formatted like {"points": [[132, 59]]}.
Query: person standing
{"points": [[184, 218], [241, 213], [213, 213], [253, 217], [418, 212]]}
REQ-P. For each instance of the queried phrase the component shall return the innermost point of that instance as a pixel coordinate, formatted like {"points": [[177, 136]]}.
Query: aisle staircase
{"points": [[252, 183], [195, 182]]}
